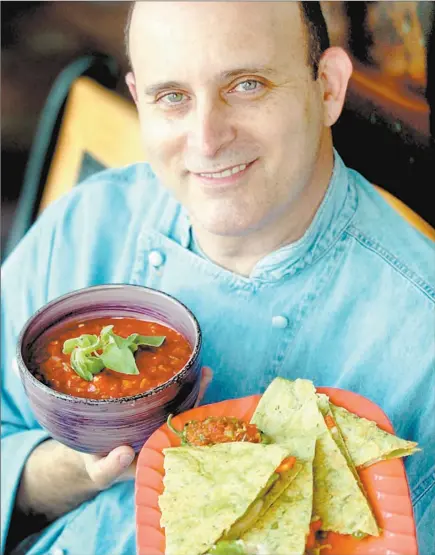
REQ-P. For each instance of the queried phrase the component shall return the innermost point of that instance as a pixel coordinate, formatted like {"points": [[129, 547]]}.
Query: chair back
{"points": [[84, 127], [100, 129], [407, 213]]}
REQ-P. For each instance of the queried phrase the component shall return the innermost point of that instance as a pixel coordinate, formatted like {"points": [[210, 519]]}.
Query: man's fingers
{"points": [[206, 377], [103, 471], [117, 465]]}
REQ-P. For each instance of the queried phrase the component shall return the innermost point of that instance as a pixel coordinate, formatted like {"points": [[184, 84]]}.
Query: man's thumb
{"points": [[104, 471]]}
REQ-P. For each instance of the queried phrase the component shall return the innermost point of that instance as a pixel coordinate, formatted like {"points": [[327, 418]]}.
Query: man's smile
{"points": [[224, 178]]}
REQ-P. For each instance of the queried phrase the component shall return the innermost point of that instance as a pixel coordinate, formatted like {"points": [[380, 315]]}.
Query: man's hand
{"points": [[120, 464], [57, 479]]}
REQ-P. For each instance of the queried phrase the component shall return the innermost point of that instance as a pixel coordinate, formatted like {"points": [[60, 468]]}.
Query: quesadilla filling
{"points": [[237, 547], [231, 540], [217, 429], [261, 504]]}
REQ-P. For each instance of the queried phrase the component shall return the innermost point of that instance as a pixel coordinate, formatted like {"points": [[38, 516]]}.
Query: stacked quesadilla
{"points": [[337, 499], [245, 498]]}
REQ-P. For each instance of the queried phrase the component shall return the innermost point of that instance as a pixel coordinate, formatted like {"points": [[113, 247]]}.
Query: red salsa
{"points": [[218, 429], [156, 365]]}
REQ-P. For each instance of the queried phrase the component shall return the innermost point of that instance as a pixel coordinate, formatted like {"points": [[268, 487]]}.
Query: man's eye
{"points": [[171, 98], [250, 85]]}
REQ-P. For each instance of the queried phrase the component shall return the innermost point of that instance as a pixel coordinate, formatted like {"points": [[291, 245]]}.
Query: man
{"points": [[292, 263]]}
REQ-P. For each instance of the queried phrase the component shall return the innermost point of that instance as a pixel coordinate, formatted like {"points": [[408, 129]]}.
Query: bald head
{"points": [[315, 34]]}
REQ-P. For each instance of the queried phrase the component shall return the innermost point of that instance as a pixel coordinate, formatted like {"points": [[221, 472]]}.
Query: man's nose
{"points": [[210, 128]]}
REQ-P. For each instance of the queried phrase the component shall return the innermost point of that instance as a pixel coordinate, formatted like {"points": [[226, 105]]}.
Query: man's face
{"points": [[232, 120]]}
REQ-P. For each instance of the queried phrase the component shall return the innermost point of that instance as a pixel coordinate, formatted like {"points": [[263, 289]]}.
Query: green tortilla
{"points": [[284, 528], [325, 409], [338, 498], [209, 490], [366, 443], [288, 413]]}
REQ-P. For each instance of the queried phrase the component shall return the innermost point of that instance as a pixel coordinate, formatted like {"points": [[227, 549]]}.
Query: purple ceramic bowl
{"points": [[98, 426]]}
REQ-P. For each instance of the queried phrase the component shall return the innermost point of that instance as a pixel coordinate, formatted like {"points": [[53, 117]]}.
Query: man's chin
{"points": [[226, 219], [220, 228]]}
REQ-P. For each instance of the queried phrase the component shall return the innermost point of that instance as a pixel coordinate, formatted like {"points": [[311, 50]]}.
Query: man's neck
{"points": [[240, 254]]}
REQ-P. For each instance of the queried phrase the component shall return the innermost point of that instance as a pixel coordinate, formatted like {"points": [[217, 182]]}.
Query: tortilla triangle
{"points": [[285, 526], [366, 443], [209, 489], [325, 408]]}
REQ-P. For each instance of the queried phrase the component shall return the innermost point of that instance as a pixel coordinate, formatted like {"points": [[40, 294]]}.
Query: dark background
{"points": [[384, 131], [38, 40]]}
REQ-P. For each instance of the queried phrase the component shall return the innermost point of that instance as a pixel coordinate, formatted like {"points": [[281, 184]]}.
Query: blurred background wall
{"points": [[384, 131]]}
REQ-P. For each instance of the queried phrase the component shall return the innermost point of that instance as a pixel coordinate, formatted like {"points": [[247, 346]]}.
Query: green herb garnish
{"points": [[233, 547], [91, 354], [359, 535]]}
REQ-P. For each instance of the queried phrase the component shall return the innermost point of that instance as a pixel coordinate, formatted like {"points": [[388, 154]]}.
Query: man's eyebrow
{"points": [[253, 70], [164, 85], [230, 74]]}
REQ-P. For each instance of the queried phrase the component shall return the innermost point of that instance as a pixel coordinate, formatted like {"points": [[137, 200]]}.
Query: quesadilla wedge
{"points": [[284, 528], [288, 413], [218, 491], [366, 443], [334, 430]]}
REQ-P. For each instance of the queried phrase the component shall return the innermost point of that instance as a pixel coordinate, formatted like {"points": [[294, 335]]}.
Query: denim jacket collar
{"points": [[334, 214]]}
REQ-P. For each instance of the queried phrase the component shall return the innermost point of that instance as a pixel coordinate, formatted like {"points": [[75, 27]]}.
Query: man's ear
{"points": [[335, 69], [131, 84]]}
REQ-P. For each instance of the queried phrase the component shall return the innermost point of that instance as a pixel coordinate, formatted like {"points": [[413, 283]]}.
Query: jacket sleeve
{"points": [[67, 248], [24, 290]]}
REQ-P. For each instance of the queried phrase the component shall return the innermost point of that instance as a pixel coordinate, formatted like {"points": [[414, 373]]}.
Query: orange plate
{"points": [[385, 482]]}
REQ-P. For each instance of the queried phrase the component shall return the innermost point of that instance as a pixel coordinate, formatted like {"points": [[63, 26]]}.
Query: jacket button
{"points": [[279, 322], [155, 258]]}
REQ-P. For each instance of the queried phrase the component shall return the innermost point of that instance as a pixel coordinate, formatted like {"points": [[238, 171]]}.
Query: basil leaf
{"points": [[85, 341], [146, 341], [119, 341], [95, 364], [110, 338], [85, 365], [93, 347], [106, 334], [117, 352], [133, 348], [119, 359]]}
